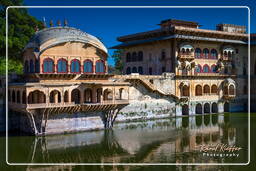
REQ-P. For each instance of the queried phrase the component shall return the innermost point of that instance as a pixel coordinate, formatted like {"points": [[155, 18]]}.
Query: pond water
{"points": [[172, 140]]}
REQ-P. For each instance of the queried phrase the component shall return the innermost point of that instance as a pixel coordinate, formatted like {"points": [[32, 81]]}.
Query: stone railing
{"points": [[65, 104], [186, 55], [228, 96]]}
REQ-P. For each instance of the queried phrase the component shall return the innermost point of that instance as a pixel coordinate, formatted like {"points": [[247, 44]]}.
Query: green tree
{"points": [[21, 27], [118, 61]]}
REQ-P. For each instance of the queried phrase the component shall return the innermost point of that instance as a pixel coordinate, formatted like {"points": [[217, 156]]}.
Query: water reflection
{"points": [[171, 140]]}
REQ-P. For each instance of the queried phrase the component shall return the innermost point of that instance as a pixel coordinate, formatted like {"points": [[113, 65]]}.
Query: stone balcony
{"points": [[226, 57], [186, 56], [228, 96]]}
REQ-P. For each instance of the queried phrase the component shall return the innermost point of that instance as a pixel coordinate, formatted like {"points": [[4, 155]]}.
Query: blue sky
{"points": [[109, 23]]}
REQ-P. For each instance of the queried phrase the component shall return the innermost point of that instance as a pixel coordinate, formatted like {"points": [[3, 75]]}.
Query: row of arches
{"points": [[62, 66], [206, 53], [199, 91], [229, 90], [207, 90], [75, 66], [32, 66], [130, 70], [134, 56], [206, 69], [206, 108], [55, 96]]}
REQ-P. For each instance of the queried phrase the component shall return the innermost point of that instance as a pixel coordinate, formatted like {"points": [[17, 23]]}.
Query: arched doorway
{"points": [[185, 110], [199, 90], [24, 97], [13, 96], [226, 107], [120, 94], [214, 89], [18, 96], [36, 97], [214, 108], [75, 96], [206, 108], [55, 96], [108, 94], [66, 98], [185, 90], [207, 89], [88, 95], [99, 95], [199, 109], [231, 90]]}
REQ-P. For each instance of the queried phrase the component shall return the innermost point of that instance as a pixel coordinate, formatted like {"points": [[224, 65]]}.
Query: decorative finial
{"points": [[51, 23], [44, 23], [65, 22], [59, 23]]}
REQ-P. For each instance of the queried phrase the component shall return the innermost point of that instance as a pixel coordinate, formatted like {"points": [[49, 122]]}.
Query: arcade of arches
{"points": [[202, 108], [76, 95]]}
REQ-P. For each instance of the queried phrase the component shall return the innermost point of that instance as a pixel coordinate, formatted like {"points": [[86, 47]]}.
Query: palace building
{"points": [[209, 66], [178, 69], [65, 72]]}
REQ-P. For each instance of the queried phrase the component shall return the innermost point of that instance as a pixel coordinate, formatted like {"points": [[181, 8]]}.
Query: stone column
{"points": [[94, 94], [56, 94], [47, 96], [82, 96]]}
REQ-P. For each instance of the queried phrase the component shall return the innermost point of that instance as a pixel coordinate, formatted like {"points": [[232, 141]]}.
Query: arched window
{"points": [[140, 56], [199, 91], [185, 90], [18, 96], [13, 96], [214, 54], [100, 66], [183, 51], [214, 68], [206, 53], [198, 69], [24, 97], [62, 66], [88, 66], [206, 68], [31, 66], [55, 96], [140, 70], [48, 66], [134, 57], [163, 54], [214, 89], [206, 89], [75, 96], [26, 67], [75, 66], [198, 53], [66, 98], [37, 66], [128, 57], [231, 90], [128, 70], [134, 70]]}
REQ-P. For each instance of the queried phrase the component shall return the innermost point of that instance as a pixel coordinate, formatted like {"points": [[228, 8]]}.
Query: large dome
{"points": [[52, 36]]}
